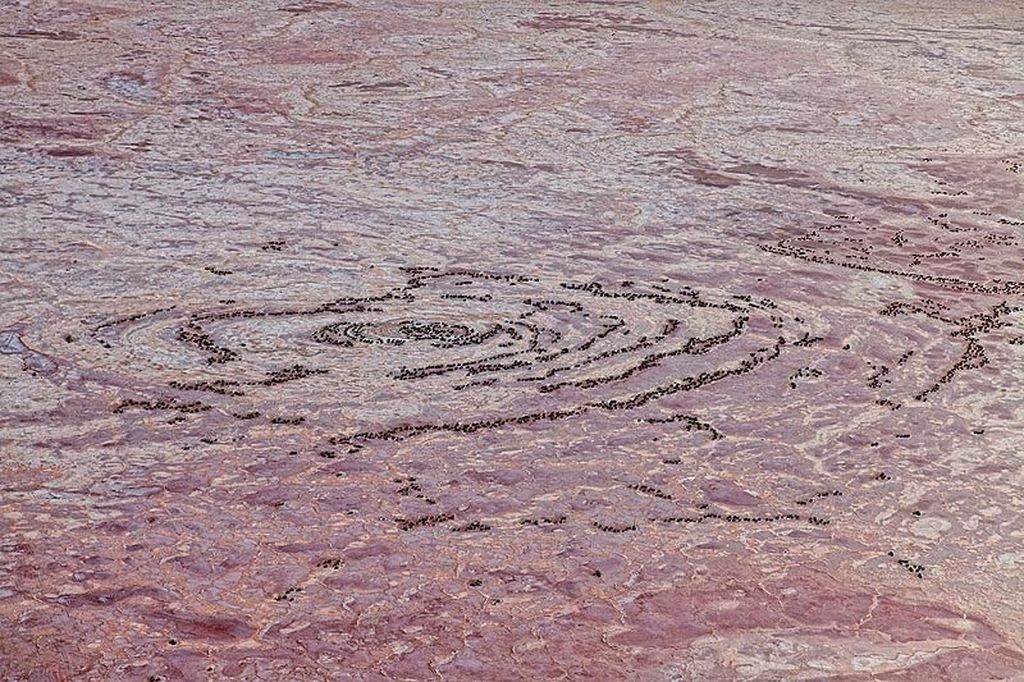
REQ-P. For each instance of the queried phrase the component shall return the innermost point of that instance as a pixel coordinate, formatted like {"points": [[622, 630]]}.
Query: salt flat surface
{"points": [[511, 341]]}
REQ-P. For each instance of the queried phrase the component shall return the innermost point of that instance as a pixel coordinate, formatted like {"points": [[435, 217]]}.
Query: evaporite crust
{"points": [[476, 341]]}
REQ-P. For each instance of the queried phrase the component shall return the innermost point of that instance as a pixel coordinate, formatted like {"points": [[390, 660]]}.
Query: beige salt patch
{"points": [[931, 527], [1011, 560], [885, 662]]}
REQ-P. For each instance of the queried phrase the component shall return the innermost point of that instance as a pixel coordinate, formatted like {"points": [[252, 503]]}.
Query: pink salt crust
{"points": [[511, 341]]}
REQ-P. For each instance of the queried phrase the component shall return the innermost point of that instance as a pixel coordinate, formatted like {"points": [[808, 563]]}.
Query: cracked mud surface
{"points": [[598, 340]]}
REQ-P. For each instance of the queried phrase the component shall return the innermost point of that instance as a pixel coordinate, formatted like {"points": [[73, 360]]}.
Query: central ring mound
{"points": [[401, 331]]}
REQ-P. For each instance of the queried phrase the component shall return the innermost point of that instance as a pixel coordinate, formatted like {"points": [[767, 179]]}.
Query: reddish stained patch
{"points": [[905, 622], [254, 107], [7, 79], [812, 605], [307, 7], [43, 35], [769, 172], [16, 128], [727, 492], [744, 607], [216, 628], [69, 152], [666, 619], [686, 163], [384, 85], [673, 617], [711, 179]]}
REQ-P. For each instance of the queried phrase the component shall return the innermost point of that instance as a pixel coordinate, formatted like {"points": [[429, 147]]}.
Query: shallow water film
{"points": [[458, 340]]}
